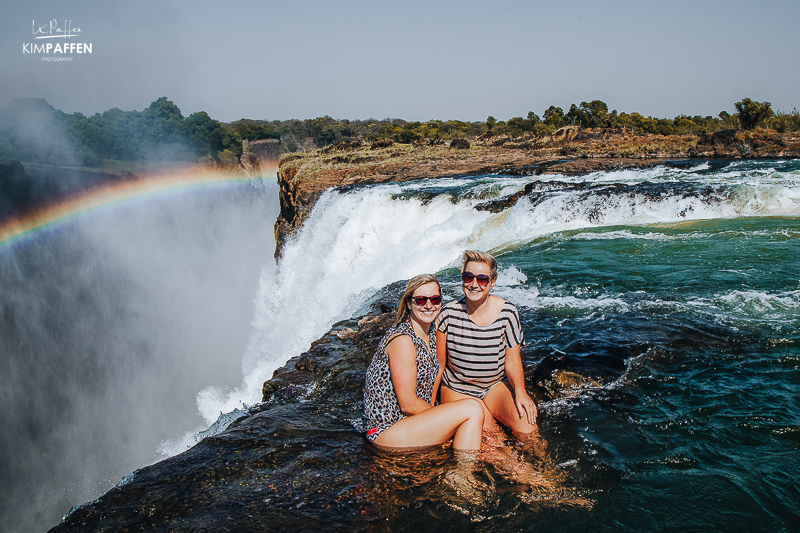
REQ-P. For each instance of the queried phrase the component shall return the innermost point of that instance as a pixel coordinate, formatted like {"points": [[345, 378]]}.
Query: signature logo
{"points": [[60, 51], [53, 30]]}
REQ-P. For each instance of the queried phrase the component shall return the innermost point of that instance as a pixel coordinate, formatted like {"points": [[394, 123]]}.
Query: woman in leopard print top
{"points": [[403, 379]]}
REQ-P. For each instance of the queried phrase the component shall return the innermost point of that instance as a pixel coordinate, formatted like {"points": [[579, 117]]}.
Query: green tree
{"points": [[490, 122], [322, 130], [596, 112], [684, 124], [783, 122], [206, 136], [752, 113], [516, 126], [253, 130], [163, 127], [554, 116], [588, 115], [576, 116]]}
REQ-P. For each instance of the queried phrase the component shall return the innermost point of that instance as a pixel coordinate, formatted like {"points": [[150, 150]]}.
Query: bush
{"points": [[785, 122], [752, 113]]}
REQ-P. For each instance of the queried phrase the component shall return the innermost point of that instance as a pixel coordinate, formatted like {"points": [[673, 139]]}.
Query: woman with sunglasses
{"points": [[403, 378], [479, 337]]}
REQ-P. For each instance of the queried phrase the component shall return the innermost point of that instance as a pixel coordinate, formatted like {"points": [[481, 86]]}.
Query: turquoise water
{"points": [[701, 429], [676, 289]]}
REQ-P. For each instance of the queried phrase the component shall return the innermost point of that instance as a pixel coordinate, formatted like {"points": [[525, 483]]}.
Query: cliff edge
{"points": [[303, 177]]}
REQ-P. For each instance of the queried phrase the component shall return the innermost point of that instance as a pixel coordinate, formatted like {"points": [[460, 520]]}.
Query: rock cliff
{"points": [[303, 177]]}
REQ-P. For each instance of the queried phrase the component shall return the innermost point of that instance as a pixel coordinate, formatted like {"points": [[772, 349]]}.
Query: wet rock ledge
{"points": [[303, 177], [294, 461]]}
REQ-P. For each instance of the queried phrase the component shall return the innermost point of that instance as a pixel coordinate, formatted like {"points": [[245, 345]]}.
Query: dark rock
{"points": [[382, 143], [267, 150], [564, 383], [727, 144], [459, 144], [343, 350], [11, 172], [501, 141], [342, 146], [373, 327], [501, 204], [16, 194], [352, 380], [565, 134]]}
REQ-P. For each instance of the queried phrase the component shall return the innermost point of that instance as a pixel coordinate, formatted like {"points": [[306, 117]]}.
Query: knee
{"points": [[474, 409], [521, 426]]}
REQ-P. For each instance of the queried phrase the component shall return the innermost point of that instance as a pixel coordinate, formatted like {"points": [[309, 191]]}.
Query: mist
{"points": [[32, 131], [111, 322]]}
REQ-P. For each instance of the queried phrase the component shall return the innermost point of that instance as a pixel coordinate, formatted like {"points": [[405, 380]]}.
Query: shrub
{"points": [[752, 113]]}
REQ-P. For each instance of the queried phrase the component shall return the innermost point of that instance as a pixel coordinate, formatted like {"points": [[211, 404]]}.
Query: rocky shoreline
{"points": [[303, 177]]}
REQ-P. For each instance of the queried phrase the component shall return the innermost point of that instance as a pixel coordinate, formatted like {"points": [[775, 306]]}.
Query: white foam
{"points": [[510, 277]]}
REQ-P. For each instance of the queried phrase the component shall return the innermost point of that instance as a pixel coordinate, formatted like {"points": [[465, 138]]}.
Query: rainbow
{"points": [[18, 228]]}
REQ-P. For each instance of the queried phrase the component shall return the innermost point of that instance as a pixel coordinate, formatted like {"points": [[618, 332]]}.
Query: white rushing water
{"points": [[356, 242]]}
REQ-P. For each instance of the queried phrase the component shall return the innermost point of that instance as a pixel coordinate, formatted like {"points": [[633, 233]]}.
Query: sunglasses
{"points": [[420, 300], [482, 279]]}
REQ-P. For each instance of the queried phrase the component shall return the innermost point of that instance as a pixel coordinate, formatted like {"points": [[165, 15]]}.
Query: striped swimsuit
{"points": [[476, 355]]}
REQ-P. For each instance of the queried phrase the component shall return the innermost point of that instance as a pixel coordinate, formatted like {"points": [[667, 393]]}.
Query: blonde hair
{"points": [[474, 256], [413, 284]]}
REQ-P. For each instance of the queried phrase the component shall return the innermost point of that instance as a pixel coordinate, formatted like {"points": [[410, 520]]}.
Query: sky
{"points": [[415, 60]]}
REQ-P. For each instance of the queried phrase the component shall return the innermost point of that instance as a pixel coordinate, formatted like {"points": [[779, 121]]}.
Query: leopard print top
{"points": [[381, 408]]}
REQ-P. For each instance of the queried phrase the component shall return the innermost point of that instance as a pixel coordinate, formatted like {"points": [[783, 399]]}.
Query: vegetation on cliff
{"points": [[306, 135], [34, 131]]}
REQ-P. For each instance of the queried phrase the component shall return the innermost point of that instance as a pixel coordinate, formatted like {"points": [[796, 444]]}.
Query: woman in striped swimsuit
{"points": [[403, 378], [479, 337]]}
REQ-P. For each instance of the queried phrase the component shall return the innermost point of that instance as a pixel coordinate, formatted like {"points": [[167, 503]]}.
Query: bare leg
{"points": [[500, 403], [463, 481], [449, 395], [461, 420]]}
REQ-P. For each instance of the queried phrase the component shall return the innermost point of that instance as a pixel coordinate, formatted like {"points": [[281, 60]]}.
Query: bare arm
{"points": [[441, 355], [403, 369], [516, 378]]}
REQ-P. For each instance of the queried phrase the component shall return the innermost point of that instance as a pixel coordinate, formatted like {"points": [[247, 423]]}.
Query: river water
{"points": [[676, 289]]}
